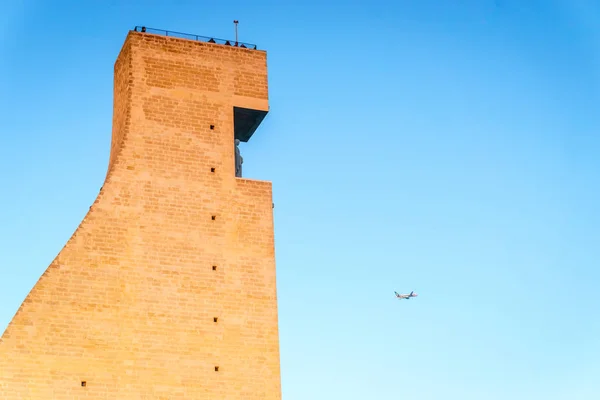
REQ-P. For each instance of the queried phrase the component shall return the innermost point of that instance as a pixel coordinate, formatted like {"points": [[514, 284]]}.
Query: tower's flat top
{"points": [[190, 36]]}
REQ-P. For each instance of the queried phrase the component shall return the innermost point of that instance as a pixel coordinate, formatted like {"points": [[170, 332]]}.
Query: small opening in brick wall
{"points": [[216, 368], [214, 217], [215, 319], [214, 267], [83, 383], [212, 169], [212, 127]]}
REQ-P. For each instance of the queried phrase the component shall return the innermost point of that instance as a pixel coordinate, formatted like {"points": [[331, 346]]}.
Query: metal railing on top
{"points": [[195, 37]]}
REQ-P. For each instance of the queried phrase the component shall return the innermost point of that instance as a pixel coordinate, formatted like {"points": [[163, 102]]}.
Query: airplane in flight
{"points": [[406, 296]]}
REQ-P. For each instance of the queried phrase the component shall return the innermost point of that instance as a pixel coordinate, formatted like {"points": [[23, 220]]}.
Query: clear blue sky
{"points": [[413, 145]]}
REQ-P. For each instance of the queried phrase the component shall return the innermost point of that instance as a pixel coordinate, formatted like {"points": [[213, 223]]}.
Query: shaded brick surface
{"points": [[128, 305]]}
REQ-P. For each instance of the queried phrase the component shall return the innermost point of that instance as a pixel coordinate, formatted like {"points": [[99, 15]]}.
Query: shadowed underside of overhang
{"points": [[246, 121]]}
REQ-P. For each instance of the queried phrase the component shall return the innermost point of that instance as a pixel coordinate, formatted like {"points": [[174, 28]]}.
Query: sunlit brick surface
{"points": [[128, 305]]}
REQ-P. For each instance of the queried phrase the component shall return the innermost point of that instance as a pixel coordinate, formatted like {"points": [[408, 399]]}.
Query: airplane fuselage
{"points": [[406, 296]]}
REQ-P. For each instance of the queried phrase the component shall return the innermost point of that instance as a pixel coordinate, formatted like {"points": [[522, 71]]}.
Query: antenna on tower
{"points": [[235, 21]]}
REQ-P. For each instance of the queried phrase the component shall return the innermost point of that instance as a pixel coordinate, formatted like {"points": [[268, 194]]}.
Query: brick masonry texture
{"points": [[128, 305]]}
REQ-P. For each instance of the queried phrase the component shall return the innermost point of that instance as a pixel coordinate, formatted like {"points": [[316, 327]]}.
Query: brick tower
{"points": [[167, 288]]}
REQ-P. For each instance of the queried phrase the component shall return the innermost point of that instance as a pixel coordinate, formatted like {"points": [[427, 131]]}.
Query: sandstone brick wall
{"points": [[129, 304]]}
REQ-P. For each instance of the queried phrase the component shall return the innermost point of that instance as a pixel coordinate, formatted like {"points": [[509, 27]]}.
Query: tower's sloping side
{"points": [[167, 288]]}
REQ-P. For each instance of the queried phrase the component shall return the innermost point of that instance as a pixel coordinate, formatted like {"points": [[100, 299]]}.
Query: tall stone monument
{"points": [[167, 288]]}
